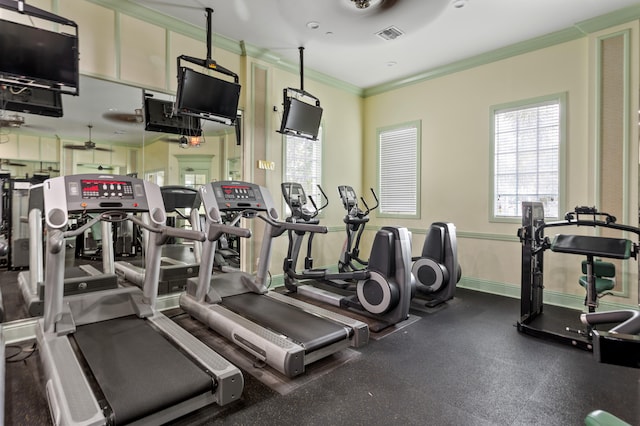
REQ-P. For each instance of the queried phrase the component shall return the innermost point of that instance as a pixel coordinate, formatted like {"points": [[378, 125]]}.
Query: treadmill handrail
{"points": [[280, 226], [169, 231], [216, 230]]}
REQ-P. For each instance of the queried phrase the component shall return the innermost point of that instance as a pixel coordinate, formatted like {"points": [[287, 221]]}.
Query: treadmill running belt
{"points": [[138, 370], [74, 272], [311, 331]]}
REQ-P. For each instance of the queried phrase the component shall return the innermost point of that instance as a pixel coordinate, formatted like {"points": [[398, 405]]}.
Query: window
{"points": [[527, 142], [303, 164], [156, 176], [194, 178], [398, 165]]}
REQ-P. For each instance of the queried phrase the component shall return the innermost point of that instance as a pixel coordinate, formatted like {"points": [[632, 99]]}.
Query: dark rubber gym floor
{"points": [[462, 364]]}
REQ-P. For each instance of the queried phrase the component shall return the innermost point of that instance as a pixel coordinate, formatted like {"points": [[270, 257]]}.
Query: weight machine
{"points": [[620, 343]]}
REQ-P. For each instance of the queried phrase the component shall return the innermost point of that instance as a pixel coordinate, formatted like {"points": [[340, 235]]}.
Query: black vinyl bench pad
{"points": [[614, 248]]}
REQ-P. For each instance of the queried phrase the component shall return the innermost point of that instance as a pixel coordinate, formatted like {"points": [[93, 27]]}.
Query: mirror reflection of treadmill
{"points": [[178, 262], [79, 279], [110, 356], [285, 333]]}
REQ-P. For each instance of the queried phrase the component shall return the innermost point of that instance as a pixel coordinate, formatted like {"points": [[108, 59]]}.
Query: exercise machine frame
{"points": [[619, 345], [381, 291], [148, 338], [285, 333]]}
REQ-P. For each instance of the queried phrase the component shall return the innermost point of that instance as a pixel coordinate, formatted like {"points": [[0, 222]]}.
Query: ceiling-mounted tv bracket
{"points": [[208, 62], [20, 6], [301, 90]]}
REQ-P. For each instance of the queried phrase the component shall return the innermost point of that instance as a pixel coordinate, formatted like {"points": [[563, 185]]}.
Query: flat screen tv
{"points": [[36, 57], [159, 117], [207, 97], [31, 100], [300, 119]]}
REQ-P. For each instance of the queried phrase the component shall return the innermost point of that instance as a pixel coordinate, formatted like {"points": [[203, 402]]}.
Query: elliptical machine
{"points": [[381, 291], [436, 270], [355, 221]]}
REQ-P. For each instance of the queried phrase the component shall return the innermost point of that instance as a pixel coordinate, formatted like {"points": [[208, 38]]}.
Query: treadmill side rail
{"points": [[228, 377], [359, 330], [70, 397], [280, 353]]}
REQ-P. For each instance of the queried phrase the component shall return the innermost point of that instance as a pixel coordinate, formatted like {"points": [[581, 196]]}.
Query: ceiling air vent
{"points": [[390, 33]]}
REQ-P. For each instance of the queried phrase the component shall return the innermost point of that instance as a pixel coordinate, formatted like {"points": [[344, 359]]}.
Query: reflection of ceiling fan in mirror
{"points": [[48, 169], [11, 120], [124, 117], [88, 145], [96, 166], [11, 163], [16, 121]]}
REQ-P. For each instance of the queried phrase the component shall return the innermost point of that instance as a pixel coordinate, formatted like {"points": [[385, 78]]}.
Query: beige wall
{"points": [[455, 175], [454, 110]]}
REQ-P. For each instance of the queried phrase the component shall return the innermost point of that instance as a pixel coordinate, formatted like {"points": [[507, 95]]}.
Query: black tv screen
{"points": [[207, 97], [159, 117], [301, 119], [40, 56]]}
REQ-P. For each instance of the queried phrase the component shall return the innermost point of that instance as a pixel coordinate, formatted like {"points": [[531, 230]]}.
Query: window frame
{"points": [[417, 125], [285, 141], [561, 98]]}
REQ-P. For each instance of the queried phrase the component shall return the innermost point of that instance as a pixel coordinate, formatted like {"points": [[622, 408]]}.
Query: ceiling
{"points": [[345, 45], [340, 41]]}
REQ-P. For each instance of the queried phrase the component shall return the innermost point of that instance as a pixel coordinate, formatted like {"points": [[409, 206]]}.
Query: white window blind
{"points": [[303, 163], [527, 158], [398, 165]]}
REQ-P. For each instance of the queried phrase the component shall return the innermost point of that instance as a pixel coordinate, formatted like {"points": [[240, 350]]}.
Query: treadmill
{"points": [[285, 333], [110, 357], [178, 262], [77, 280]]}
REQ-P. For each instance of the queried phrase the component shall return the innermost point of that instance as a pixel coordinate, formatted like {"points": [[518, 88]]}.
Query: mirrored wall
{"points": [[102, 131]]}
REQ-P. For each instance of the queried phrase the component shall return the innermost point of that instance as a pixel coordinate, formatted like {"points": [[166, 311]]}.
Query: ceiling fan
{"points": [[124, 117], [11, 120], [48, 169], [97, 167], [17, 121], [11, 163], [88, 145]]}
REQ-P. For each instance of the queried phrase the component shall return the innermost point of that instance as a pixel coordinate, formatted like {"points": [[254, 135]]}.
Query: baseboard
{"points": [[572, 301]]}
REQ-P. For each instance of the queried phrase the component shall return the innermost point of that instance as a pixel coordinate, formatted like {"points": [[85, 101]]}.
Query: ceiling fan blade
{"points": [[123, 117], [78, 147], [39, 128], [97, 167], [103, 149]]}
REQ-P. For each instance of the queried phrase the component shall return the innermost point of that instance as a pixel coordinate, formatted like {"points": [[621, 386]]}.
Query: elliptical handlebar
{"points": [[369, 209], [315, 206]]}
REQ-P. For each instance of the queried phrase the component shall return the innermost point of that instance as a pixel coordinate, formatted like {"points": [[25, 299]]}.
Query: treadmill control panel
{"points": [[101, 188], [234, 195], [238, 192], [105, 192]]}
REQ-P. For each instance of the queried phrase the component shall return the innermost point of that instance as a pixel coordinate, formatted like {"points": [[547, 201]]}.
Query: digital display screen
{"points": [[301, 119], [205, 95], [34, 53], [238, 192], [106, 189]]}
